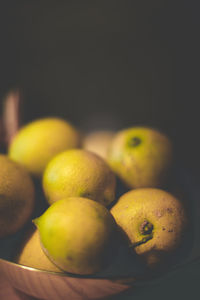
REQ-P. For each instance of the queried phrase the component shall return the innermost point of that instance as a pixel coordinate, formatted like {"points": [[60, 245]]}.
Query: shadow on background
{"points": [[106, 64]]}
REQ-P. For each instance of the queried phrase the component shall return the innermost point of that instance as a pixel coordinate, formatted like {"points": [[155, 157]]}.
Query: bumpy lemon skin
{"points": [[141, 157], [17, 196], [162, 210], [37, 142], [79, 173], [78, 235], [31, 254]]}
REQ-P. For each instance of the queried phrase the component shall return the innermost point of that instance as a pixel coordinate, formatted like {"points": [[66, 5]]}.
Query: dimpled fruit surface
{"points": [[153, 221], [32, 255], [79, 173], [16, 196], [78, 235], [141, 157], [37, 142]]}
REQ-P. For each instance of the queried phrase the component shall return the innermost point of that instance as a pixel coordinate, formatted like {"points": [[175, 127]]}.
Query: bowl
{"points": [[125, 271]]}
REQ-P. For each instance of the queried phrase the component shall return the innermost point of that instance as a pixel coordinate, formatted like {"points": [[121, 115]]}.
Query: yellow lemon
{"points": [[78, 235], [16, 196], [79, 173], [153, 221], [32, 255], [37, 142], [141, 157]]}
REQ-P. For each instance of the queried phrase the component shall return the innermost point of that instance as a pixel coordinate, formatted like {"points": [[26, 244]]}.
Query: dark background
{"points": [[109, 64], [115, 63]]}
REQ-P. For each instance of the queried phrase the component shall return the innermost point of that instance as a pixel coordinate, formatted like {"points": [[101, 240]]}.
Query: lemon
{"points": [[32, 255], [153, 221], [16, 196], [78, 235], [79, 173], [141, 157], [37, 142]]}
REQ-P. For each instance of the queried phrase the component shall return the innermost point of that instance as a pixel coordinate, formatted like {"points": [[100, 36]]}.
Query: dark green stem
{"points": [[142, 241], [146, 229]]}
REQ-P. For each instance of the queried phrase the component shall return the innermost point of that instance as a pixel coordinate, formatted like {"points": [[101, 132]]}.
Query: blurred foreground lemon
{"points": [[37, 142], [16, 196], [79, 173], [32, 255], [141, 157], [78, 235]]}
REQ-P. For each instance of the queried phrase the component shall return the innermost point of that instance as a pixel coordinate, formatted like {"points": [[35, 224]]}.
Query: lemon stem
{"points": [[146, 228], [142, 241]]}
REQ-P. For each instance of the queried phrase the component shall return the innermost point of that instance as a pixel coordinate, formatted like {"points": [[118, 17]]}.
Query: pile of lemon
{"points": [[85, 223]]}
